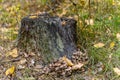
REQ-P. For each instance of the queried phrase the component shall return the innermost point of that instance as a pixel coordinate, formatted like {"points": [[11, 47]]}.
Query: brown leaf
{"points": [[63, 23], [31, 54], [38, 66]]}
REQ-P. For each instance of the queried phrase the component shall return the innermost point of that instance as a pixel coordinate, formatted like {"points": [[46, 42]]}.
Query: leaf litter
{"points": [[32, 65]]}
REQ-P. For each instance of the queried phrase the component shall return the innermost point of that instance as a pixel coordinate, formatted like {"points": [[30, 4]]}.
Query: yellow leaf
{"points": [[13, 53], [118, 36], [113, 2], [10, 71], [109, 18], [112, 44], [69, 63], [99, 45], [33, 16], [117, 71]]}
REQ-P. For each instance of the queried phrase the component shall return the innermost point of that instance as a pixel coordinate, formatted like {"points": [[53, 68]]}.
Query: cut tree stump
{"points": [[51, 37]]}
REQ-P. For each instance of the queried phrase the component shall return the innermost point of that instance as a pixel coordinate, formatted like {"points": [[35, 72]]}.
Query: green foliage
{"points": [[43, 1]]}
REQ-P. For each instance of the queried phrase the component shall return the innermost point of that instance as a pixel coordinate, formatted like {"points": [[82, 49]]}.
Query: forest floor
{"points": [[14, 66]]}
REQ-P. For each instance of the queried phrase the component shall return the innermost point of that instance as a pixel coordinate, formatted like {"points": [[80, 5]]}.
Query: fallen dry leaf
{"points": [[90, 22], [118, 36], [109, 18], [31, 54], [113, 2], [69, 63], [10, 71], [117, 71], [63, 23], [77, 66], [112, 44], [13, 53], [33, 16], [38, 66], [99, 45], [21, 66], [23, 61]]}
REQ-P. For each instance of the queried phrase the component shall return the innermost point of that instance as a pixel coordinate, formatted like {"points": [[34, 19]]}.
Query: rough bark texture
{"points": [[51, 37]]}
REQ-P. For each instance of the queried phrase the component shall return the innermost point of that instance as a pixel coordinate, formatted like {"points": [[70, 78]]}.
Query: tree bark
{"points": [[51, 37]]}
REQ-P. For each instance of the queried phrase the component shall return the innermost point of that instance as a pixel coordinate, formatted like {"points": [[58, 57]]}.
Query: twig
{"points": [[73, 2], [12, 60]]}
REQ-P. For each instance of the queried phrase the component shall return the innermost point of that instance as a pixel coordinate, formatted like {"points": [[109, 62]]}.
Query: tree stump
{"points": [[51, 37]]}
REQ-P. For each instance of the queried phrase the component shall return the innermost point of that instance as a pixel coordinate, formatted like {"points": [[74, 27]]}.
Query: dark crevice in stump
{"points": [[51, 37]]}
